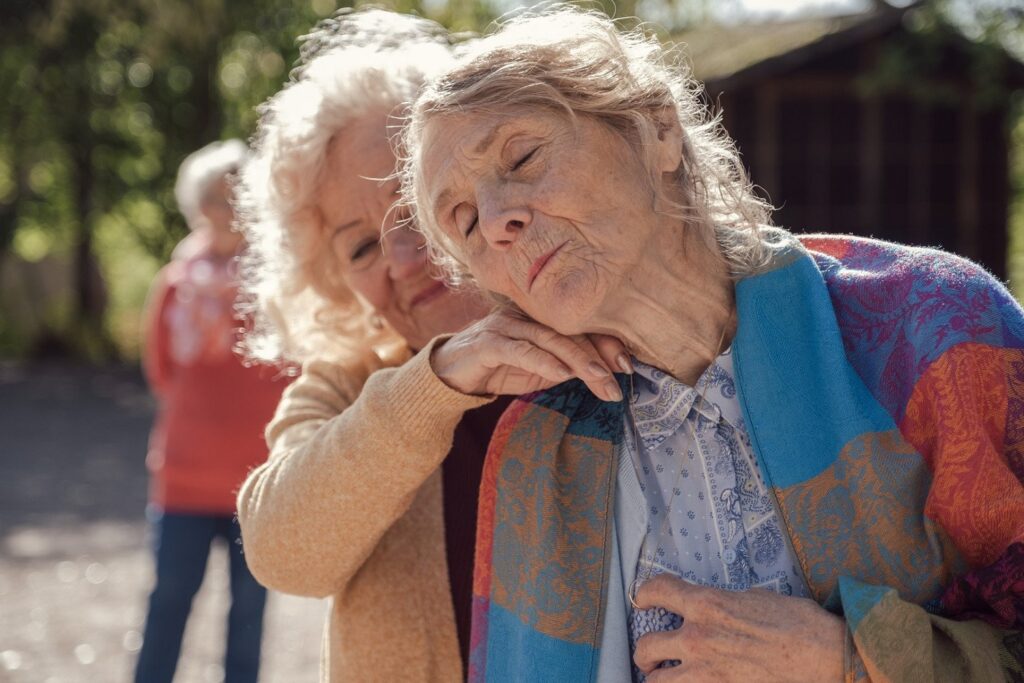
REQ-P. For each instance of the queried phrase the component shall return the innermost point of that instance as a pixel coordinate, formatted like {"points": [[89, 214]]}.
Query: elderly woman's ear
{"points": [[670, 139]]}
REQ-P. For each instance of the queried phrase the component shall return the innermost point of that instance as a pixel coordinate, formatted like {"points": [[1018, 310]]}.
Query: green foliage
{"points": [[102, 101], [988, 34]]}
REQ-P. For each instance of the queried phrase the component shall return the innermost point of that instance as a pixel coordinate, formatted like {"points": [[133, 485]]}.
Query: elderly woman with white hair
{"points": [[815, 474], [207, 434], [369, 494]]}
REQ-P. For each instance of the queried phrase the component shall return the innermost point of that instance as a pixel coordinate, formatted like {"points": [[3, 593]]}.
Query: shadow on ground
{"points": [[74, 567]]}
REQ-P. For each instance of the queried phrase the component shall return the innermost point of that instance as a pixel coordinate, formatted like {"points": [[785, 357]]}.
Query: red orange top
{"points": [[208, 432]]}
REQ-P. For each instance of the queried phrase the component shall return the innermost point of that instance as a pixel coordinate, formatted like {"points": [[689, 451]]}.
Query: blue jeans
{"points": [[182, 546]]}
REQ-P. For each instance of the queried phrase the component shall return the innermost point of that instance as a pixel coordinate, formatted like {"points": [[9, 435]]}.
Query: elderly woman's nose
{"points": [[502, 224]]}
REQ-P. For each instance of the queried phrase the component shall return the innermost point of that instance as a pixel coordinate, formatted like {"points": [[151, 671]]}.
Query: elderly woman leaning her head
{"points": [[370, 491], [816, 471]]}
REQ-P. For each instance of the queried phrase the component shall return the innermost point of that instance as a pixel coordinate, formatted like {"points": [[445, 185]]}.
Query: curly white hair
{"points": [[356, 63]]}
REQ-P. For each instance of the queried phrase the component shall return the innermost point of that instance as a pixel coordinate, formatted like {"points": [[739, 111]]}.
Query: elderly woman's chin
{"points": [[567, 298]]}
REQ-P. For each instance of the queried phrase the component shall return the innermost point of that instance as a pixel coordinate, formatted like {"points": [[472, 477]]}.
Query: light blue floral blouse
{"points": [[694, 462]]}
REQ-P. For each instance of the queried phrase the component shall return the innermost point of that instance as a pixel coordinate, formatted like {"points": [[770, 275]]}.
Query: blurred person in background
{"points": [[209, 429], [369, 494]]}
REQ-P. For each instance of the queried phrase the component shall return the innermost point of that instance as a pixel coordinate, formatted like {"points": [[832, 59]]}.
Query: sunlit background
{"points": [[897, 120], [102, 99]]}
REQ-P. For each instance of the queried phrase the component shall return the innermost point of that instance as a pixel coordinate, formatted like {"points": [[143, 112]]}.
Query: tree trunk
{"points": [[90, 299]]}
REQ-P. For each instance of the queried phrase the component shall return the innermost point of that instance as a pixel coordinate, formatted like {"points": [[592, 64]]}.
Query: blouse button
{"points": [[729, 556]]}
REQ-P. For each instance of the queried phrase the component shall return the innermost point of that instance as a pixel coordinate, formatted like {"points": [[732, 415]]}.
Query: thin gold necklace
{"points": [[645, 563]]}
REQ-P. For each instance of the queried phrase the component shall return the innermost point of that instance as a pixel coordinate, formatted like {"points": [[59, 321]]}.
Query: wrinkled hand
{"points": [[505, 353], [751, 636]]}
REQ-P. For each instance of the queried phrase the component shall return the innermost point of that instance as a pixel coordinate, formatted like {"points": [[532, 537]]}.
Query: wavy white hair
{"points": [[356, 63], [578, 62]]}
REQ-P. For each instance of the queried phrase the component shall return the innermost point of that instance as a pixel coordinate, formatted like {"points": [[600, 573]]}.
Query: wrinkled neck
{"points": [[675, 310]]}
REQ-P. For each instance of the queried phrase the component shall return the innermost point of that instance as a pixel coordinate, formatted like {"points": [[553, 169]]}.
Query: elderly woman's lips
{"points": [[429, 294], [539, 264]]}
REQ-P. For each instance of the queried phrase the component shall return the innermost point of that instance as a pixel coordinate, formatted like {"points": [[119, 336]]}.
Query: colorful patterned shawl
{"points": [[883, 388]]}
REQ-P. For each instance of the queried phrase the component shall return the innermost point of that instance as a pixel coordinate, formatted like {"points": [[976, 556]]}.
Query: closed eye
{"points": [[522, 161], [364, 249], [465, 217]]}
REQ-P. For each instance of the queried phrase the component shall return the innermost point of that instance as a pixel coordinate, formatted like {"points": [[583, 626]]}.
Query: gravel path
{"points": [[75, 570]]}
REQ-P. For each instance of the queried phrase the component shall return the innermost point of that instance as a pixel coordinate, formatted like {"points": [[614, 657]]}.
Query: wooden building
{"points": [[886, 123]]}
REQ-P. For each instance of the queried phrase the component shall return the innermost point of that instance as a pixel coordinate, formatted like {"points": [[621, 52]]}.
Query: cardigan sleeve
{"points": [[346, 460]]}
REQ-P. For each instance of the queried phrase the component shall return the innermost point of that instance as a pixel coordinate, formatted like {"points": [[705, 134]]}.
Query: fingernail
{"points": [[598, 370], [564, 372], [614, 391], [624, 364]]}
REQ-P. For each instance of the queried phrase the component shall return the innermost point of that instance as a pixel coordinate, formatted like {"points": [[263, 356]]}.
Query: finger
{"points": [[601, 379], [613, 352], [578, 354], [509, 380], [529, 358], [568, 349], [654, 648], [670, 592]]}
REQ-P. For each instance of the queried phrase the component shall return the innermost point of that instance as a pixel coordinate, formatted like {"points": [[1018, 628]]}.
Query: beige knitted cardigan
{"points": [[349, 507]]}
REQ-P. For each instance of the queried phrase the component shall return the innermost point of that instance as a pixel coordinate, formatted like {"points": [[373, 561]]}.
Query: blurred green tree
{"points": [[102, 99]]}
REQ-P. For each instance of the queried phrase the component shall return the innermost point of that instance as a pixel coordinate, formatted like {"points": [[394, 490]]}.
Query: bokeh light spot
{"points": [[11, 659], [140, 74], [40, 178], [132, 641], [85, 653], [322, 7], [271, 64], [233, 76], [96, 573]]}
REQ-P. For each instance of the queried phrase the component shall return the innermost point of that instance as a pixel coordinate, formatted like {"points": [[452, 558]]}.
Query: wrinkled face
{"points": [[550, 213], [384, 264]]}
